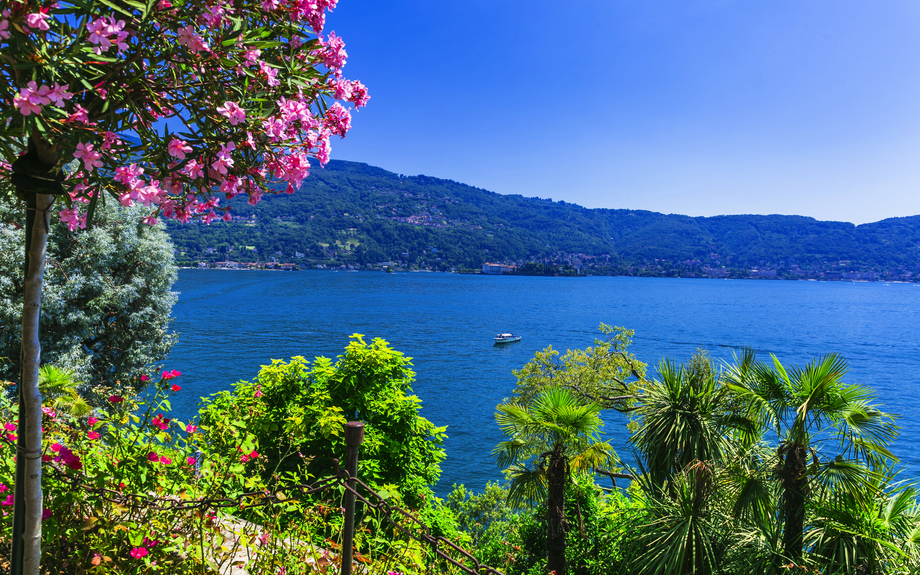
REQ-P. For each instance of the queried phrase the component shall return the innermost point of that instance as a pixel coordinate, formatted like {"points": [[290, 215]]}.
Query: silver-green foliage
{"points": [[106, 303]]}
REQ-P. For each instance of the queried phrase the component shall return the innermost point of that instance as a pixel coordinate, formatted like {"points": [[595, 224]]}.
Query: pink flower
{"points": [[27, 101], [175, 387], [49, 412], [8, 500], [116, 399], [190, 460], [3, 487], [145, 378], [165, 460], [68, 457], [191, 40], [72, 218], [92, 421], [338, 119], [334, 54], [80, 115], [160, 422], [92, 435], [56, 447], [9, 426], [46, 514], [232, 111], [90, 157], [192, 428], [258, 392], [171, 374], [36, 20], [59, 94], [154, 457], [139, 552], [178, 148]]}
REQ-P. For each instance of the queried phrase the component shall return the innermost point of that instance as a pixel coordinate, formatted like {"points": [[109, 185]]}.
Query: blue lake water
{"points": [[232, 322]]}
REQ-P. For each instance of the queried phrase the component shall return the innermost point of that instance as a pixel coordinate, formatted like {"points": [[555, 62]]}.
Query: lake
{"points": [[232, 322]]}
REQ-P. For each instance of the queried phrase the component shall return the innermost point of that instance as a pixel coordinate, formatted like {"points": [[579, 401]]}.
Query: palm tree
{"points": [[681, 422], [550, 438], [808, 408], [871, 532], [59, 385]]}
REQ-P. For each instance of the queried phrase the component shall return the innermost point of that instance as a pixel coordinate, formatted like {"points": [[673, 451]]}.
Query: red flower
{"points": [[175, 387], [92, 435], [116, 399]]}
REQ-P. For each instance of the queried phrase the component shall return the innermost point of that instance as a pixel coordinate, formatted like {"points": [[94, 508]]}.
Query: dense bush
{"points": [[297, 410]]}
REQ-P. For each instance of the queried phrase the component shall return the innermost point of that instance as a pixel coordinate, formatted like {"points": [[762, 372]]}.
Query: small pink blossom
{"points": [[153, 456], [116, 399], [36, 20], [92, 435], [92, 420], [232, 111], [191, 428], [89, 156], [167, 375], [46, 514], [258, 392], [8, 500], [334, 54], [175, 387], [190, 460], [9, 426], [178, 148], [73, 218], [80, 115], [138, 552]]}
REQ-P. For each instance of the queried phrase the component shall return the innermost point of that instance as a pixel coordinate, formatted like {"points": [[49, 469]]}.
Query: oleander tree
{"points": [[170, 104]]}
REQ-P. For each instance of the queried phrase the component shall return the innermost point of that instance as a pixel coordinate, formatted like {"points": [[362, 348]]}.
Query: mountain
{"points": [[356, 214]]}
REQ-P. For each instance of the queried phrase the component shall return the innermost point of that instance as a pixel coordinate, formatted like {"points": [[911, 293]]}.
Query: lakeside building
{"points": [[497, 269]]}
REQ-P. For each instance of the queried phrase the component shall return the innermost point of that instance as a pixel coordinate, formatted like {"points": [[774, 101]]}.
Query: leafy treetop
{"points": [[223, 99]]}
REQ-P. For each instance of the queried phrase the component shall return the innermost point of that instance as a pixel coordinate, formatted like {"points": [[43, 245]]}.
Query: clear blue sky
{"points": [[698, 107]]}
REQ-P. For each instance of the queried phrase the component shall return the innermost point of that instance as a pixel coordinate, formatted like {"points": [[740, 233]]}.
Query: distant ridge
{"points": [[351, 213]]}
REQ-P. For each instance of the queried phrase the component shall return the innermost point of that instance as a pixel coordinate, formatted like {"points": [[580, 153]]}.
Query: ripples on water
{"points": [[232, 322]]}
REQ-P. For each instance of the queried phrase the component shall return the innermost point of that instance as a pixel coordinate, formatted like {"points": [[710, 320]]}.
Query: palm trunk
{"points": [[555, 515], [795, 489]]}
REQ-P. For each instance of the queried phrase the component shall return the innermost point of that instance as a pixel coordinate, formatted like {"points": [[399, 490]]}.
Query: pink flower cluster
{"points": [[31, 98], [167, 375], [155, 457], [105, 33], [66, 456], [160, 422], [247, 457], [253, 147]]}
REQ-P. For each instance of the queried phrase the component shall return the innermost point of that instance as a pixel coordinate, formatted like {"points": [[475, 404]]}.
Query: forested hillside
{"points": [[355, 214]]}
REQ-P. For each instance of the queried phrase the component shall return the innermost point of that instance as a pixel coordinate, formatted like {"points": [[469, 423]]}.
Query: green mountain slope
{"points": [[352, 213]]}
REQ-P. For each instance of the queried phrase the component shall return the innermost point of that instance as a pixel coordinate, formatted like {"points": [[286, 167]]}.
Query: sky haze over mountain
{"points": [[693, 107]]}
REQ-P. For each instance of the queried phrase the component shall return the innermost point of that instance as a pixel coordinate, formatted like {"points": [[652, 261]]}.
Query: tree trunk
{"points": [[795, 489], [36, 176], [28, 487], [555, 515]]}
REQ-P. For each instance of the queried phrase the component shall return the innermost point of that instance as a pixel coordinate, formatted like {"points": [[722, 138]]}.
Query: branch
{"points": [[614, 476]]}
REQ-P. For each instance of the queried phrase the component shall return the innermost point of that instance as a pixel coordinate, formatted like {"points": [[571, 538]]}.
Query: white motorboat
{"points": [[507, 338]]}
